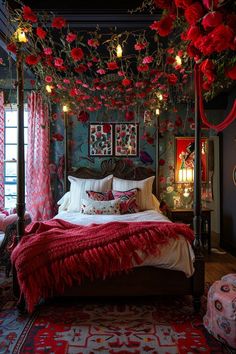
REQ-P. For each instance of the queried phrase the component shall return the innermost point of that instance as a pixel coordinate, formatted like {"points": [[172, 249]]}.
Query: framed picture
{"points": [[184, 159], [100, 139], [126, 139]]}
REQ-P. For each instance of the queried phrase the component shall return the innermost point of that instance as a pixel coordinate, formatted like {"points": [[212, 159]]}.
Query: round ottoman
{"points": [[220, 318]]}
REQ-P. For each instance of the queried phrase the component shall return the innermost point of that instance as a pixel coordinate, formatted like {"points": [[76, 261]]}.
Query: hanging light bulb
{"points": [[20, 35], [159, 96], [49, 88], [178, 60], [119, 51], [65, 108], [157, 111]]}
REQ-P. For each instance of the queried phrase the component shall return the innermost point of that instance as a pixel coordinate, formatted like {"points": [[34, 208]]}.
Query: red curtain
{"points": [[39, 197], [1, 150]]}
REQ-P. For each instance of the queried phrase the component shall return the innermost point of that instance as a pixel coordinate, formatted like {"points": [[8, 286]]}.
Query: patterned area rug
{"points": [[163, 326]]}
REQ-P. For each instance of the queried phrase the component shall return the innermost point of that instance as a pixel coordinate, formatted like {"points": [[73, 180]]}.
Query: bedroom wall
{"points": [[177, 122]]}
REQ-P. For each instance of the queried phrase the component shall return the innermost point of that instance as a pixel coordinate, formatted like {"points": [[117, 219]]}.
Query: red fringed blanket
{"points": [[55, 253]]}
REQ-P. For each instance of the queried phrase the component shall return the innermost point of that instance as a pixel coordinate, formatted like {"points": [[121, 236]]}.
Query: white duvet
{"points": [[177, 254]]}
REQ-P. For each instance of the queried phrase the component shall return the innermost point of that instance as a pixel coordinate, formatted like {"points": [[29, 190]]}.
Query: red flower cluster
{"points": [[32, 59], [164, 26], [41, 33], [58, 22], [77, 54], [29, 15]]}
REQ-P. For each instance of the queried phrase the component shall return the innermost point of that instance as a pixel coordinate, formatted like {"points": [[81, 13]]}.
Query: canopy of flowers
{"points": [[85, 70]]}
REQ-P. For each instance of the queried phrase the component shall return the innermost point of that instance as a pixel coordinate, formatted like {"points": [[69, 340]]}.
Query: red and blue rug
{"points": [[163, 326]]}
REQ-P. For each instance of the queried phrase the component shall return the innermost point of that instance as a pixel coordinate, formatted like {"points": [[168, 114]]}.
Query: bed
{"points": [[178, 270]]}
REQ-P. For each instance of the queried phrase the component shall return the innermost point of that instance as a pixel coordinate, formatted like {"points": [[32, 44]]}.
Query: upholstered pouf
{"points": [[220, 319]]}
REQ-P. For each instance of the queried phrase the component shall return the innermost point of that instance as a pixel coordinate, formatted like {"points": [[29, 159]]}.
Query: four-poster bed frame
{"points": [[143, 280]]}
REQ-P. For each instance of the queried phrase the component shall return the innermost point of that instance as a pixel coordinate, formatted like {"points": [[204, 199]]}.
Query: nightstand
{"points": [[186, 216]]}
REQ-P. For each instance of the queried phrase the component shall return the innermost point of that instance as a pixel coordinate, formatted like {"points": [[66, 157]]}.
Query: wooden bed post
{"points": [[65, 110], [20, 205], [198, 278]]}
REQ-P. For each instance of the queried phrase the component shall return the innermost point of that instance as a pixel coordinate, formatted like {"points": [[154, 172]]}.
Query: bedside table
{"points": [[186, 216]]}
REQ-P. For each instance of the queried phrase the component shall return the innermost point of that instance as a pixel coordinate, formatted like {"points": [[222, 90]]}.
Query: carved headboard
{"points": [[117, 168]]}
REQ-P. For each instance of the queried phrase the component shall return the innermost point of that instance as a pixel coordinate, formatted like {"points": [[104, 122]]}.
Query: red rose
{"points": [[83, 117], [163, 4], [205, 44], [208, 3], [71, 37], [170, 60], [207, 65], [142, 67], [81, 68], [77, 54], [231, 73], [32, 59], [221, 38], [57, 137], [28, 14], [206, 86], [112, 65], [107, 128], [58, 22], [231, 21], [41, 33], [164, 26], [193, 13], [183, 3], [12, 48], [172, 79], [211, 20], [193, 33], [162, 162], [126, 82], [129, 115]]}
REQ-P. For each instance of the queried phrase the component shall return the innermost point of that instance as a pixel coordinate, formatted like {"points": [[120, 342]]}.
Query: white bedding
{"points": [[177, 254]]}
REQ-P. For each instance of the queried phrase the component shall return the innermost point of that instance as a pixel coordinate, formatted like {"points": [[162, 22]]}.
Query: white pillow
{"points": [[104, 207], [79, 186], [144, 194], [64, 202]]}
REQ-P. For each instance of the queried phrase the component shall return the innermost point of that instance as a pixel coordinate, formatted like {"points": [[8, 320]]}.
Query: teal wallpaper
{"points": [[177, 122]]}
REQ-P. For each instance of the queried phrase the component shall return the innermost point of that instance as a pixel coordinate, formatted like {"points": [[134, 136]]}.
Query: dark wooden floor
{"points": [[218, 265]]}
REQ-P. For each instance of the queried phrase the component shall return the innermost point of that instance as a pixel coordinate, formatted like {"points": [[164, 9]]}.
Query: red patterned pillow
{"points": [[127, 201], [100, 196]]}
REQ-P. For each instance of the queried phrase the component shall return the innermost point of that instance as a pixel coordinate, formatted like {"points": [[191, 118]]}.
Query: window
{"points": [[10, 162]]}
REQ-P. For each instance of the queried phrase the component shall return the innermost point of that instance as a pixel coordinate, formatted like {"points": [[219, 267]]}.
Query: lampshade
{"points": [[186, 175]]}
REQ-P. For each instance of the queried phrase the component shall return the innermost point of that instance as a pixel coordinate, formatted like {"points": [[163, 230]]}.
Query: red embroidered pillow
{"points": [[100, 196], [127, 199]]}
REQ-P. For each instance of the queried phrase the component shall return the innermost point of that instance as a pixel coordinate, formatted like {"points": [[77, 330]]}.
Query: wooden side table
{"points": [[186, 216]]}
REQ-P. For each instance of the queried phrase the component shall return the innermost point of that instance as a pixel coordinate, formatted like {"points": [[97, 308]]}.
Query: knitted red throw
{"points": [[54, 254]]}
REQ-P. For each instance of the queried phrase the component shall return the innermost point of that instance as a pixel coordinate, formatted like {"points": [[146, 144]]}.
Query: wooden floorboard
{"points": [[218, 265]]}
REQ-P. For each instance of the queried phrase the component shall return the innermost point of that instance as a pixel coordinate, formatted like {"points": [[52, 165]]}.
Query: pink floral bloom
{"points": [[101, 71], [140, 46], [121, 73], [48, 79], [93, 43], [58, 62], [58, 22], [66, 81], [1, 61], [148, 60], [71, 37], [47, 51]]}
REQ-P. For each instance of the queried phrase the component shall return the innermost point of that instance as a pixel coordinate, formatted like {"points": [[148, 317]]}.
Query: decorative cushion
{"points": [[127, 201], [64, 202], [220, 319], [93, 207], [100, 196], [144, 187], [79, 186]]}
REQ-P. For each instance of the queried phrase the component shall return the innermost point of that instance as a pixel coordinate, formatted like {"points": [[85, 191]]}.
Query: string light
{"points": [[49, 88], [159, 96], [65, 108], [157, 111], [20, 35], [178, 60], [119, 51]]}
